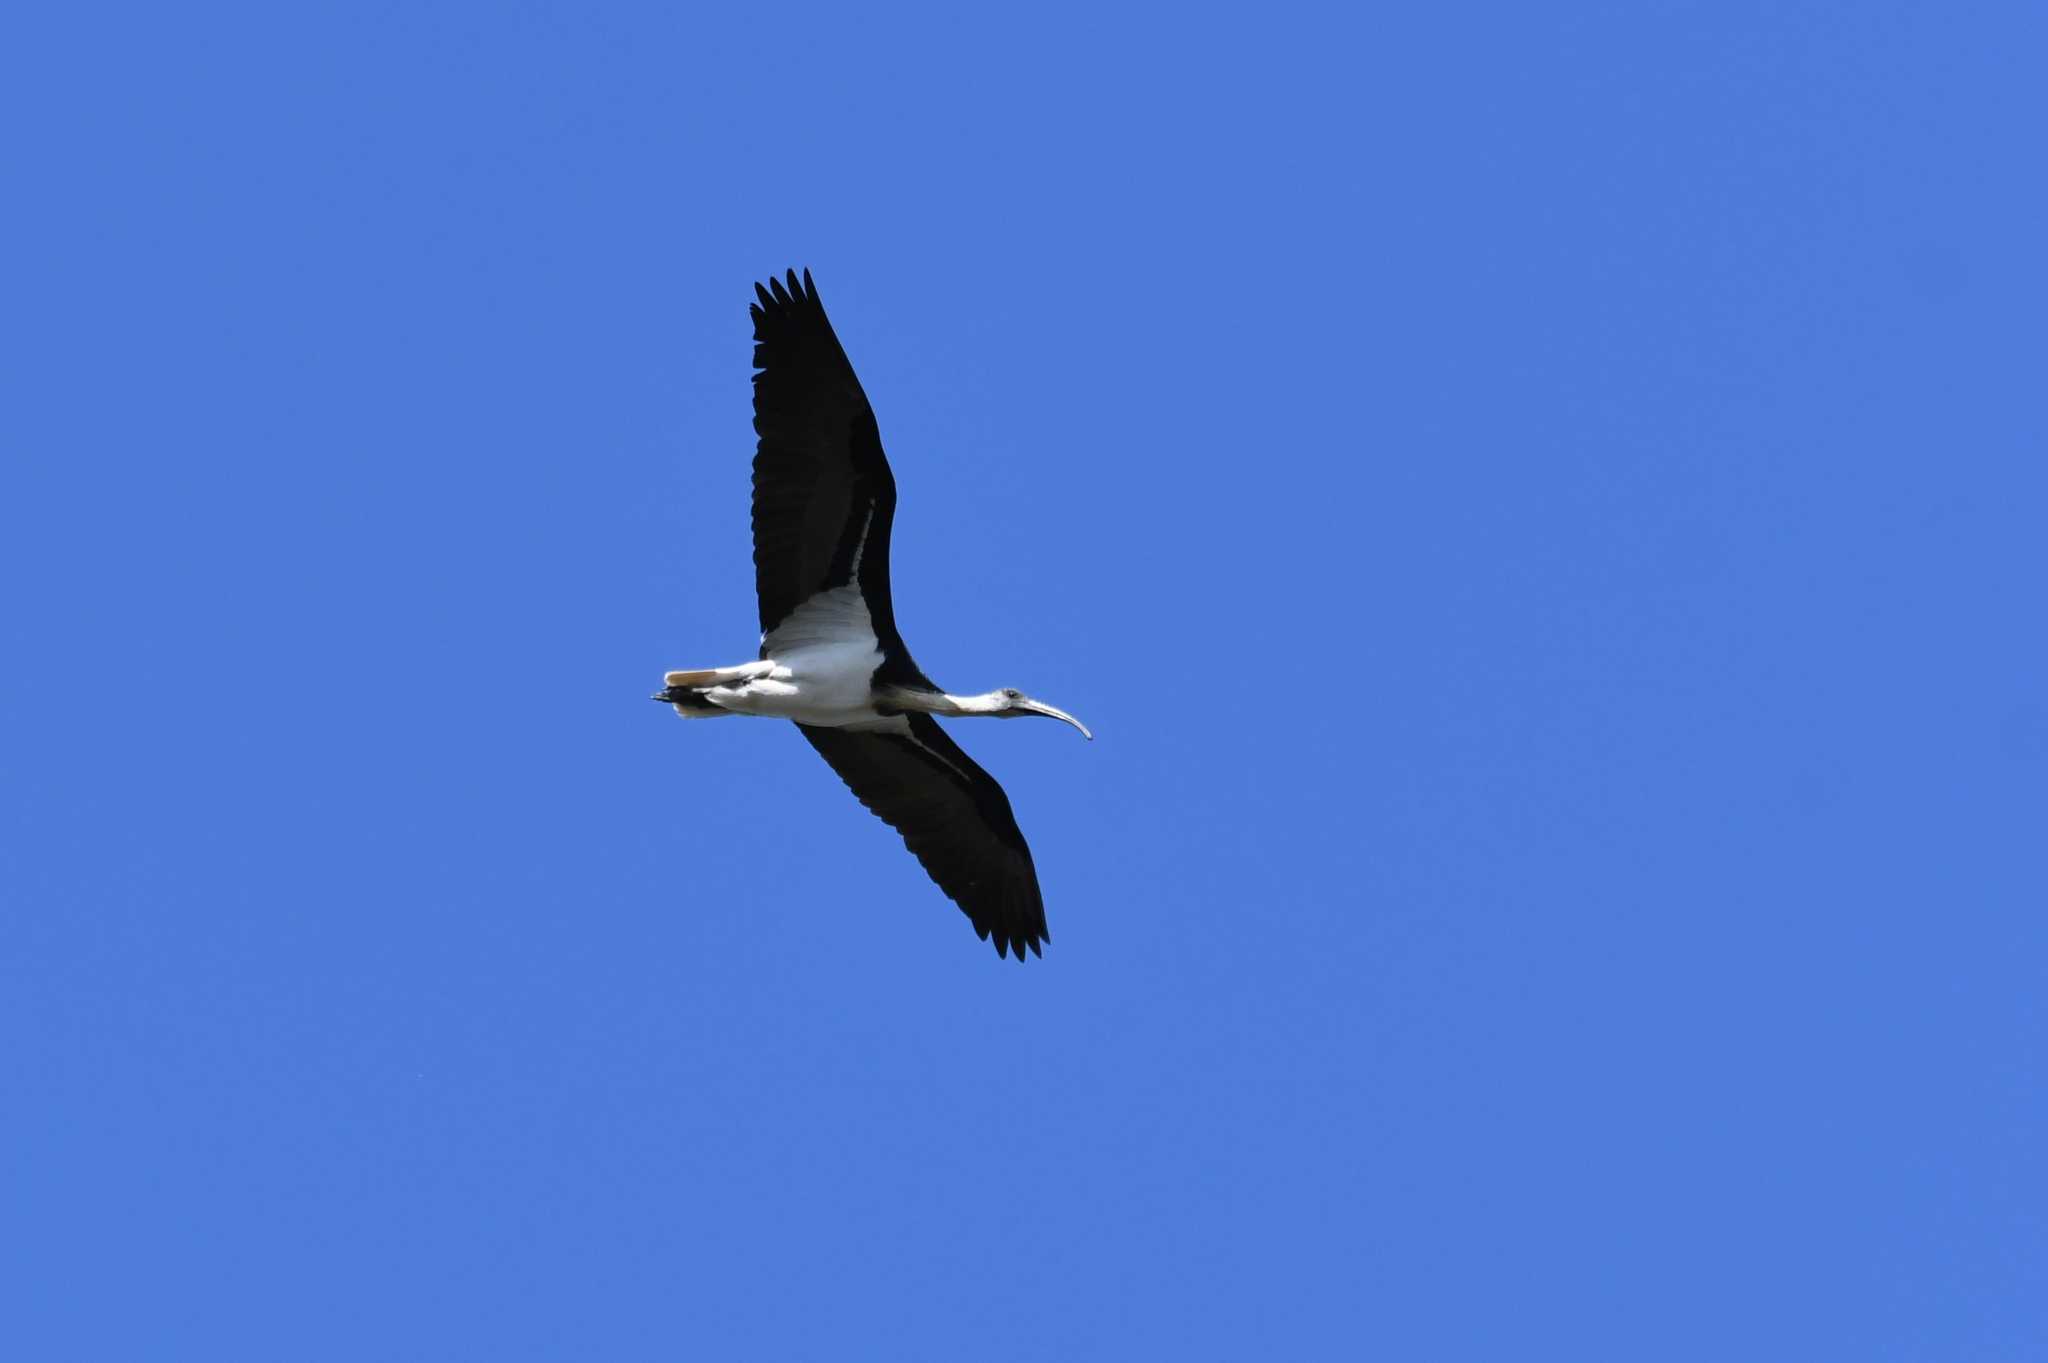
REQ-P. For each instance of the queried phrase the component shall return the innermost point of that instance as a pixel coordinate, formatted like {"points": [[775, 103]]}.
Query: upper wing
{"points": [[952, 814], [824, 498]]}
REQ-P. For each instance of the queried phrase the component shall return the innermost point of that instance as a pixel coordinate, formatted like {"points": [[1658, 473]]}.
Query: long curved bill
{"points": [[1039, 707]]}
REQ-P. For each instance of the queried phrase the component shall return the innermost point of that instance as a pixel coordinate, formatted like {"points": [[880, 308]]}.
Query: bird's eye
{"points": [[1013, 693]]}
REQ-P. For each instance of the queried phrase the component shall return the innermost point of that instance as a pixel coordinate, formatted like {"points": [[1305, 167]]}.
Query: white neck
{"points": [[943, 703]]}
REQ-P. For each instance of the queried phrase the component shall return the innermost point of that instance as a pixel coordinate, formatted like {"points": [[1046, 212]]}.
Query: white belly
{"points": [[825, 655]]}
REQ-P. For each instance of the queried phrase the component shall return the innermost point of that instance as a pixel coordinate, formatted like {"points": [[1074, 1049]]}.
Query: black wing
{"points": [[823, 493], [953, 815]]}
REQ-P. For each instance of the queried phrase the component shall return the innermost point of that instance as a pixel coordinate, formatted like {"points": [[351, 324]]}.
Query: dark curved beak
{"points": [[1039, 707]]}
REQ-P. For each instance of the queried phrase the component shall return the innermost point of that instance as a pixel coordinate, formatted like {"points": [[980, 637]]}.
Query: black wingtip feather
{"points": [[787, 291]]}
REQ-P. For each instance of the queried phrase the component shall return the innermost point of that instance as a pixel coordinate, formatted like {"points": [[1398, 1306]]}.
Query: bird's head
{"points": [[1010, 703]]}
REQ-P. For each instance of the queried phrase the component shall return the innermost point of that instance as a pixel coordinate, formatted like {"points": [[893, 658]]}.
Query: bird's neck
{"points": [[945, 703]]}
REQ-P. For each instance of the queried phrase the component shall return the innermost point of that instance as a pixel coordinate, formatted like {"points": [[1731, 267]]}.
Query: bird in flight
{"points": [[831, 659]]}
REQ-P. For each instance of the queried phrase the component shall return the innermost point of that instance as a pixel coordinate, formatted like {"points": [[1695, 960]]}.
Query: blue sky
{"points": [[1543, 512]]}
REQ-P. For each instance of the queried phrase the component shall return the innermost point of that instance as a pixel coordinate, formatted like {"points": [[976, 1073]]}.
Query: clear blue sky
{"points": [[1544, 513]]}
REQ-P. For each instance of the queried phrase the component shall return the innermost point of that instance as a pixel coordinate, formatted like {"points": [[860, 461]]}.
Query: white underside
{"points": [[818, 667]]}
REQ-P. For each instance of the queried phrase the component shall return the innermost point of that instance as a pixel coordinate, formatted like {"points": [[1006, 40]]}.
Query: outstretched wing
{"points": [[824, 499], [952, 815]]}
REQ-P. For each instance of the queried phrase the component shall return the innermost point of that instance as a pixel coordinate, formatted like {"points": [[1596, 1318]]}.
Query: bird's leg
{"points": [[685, 690], [720, 676]]}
